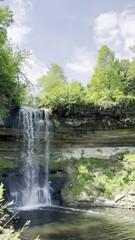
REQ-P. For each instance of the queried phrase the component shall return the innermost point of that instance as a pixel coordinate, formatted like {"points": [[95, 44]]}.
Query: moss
{"points": [[130, 157], [57, 164], [98, 163], [62, 164], [6, 163]]}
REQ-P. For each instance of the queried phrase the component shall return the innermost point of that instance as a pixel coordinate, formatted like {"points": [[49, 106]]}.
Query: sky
{"points": [[70, 33]]}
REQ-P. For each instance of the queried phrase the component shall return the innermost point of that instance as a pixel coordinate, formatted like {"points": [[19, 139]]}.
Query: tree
{"points": [[131, 79], [11, 91], [105, 56], [52, 86], [56, 93], [74, 94], [6, 18], [54, 77], [106, 83]]}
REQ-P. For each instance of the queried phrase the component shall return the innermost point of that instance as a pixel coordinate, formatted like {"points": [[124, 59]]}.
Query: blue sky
{"points": [[70, 32]]}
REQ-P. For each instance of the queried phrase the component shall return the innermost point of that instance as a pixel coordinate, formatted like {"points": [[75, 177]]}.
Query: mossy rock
{"points": [[61, 165], [7, 164], [54, 165]]}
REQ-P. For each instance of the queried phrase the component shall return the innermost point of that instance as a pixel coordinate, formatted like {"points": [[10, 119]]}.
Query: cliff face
{"points": [[90, 119], [80, 121], [73, 132], [76, 133], [90, 126]]}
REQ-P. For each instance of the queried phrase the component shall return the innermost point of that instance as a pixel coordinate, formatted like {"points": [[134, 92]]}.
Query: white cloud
{"points": [[106, 27], [127, 28], [20, 28], [18, 32], [116, 30], [34, 69], [83, 61]]}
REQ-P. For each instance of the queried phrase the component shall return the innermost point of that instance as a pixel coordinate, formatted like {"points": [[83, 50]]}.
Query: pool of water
{"points": [[53, 223]]}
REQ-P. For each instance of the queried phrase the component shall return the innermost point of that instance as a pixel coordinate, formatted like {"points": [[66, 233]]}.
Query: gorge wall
{"points": [[79, 132]]}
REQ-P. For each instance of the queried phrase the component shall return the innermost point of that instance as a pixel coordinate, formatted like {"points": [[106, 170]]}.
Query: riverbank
{"points": [[101, 182]]}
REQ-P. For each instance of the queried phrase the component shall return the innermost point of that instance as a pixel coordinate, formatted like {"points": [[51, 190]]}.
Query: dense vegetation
{"points": [[113, 83], [12, 91], [104, 177]]}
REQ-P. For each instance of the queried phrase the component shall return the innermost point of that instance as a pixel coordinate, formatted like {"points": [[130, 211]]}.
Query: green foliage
{"points": [[111, 84], [56, 93], [105, 85], [11, 90], [131, 79], [54, 165], [105, 177], [6, 163], [6, 18], [74, 94], [105, 57], [52, 85]]}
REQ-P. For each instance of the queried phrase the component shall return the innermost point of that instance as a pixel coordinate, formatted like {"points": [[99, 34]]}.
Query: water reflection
{"points": [[68, 224]]}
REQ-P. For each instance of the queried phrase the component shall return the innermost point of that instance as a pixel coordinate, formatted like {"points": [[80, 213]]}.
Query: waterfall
{"points": [[34, 188]]}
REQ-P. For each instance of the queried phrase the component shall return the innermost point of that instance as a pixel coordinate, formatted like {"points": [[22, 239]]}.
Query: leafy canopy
{"points": [[52, 84], [112, 83], [106, 83], [56, 92], [11, 90]]}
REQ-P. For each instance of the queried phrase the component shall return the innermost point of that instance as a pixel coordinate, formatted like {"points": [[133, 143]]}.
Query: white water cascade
{"points": [[34, 189]]}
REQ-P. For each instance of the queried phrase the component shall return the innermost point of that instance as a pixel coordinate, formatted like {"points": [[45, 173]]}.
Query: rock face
{"points": [[122, 200], [1, 122], [88, 199], [86, 126], [89, 126], [90, 118], [74, 134]]}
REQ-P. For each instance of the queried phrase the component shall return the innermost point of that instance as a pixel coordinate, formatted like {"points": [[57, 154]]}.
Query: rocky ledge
{"points": [[121, 200]]}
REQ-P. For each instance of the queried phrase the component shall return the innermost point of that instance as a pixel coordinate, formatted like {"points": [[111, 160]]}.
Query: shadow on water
{"points": [[52, 223]]}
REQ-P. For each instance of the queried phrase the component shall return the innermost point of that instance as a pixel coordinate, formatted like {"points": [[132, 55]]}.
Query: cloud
{"points": [[127, 28], [116, 30], [20, 29], [106, 28], [83, 61], [34, 68], [18, 32]]}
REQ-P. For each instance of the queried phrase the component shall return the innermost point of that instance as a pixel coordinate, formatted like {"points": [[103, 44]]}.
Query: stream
{"points": [[59, 223]]}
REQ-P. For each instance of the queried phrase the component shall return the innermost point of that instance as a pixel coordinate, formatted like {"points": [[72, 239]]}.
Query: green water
{"points": [[70, 224]]}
